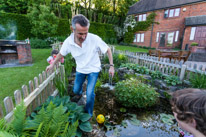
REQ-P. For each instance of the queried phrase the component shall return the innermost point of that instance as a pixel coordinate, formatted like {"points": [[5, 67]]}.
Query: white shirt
{"points": [[86, 57]]}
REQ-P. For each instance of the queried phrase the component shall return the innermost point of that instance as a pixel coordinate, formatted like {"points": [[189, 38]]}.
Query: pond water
{"points": [[134, 122]]}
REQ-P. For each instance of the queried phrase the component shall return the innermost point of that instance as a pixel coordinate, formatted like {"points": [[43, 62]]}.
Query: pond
{"points": [[134, 122]]}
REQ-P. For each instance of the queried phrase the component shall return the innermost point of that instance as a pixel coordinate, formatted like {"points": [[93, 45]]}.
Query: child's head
{"points": [[54, 52], [189, 107]]}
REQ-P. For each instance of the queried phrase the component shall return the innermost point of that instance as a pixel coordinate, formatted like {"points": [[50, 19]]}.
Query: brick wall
{"points": [[173, 24], [24, 53]]}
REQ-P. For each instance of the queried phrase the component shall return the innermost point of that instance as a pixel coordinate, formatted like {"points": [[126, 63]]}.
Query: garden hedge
{"points": [[105, 31]]}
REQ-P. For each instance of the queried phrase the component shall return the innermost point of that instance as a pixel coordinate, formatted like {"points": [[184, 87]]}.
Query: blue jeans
{"points": [[78, 85]]}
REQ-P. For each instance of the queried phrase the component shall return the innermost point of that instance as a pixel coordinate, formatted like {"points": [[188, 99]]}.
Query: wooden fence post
{"points": [[8, 103], [18, 97], [137, 59], [182, 72]]}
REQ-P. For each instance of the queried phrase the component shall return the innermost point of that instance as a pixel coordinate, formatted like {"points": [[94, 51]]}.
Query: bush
{"points": [[194, 44], [39, 43], [134, 93]]}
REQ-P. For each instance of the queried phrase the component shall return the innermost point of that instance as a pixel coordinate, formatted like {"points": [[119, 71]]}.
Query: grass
{"points": [[13, 78], [131, 49]]}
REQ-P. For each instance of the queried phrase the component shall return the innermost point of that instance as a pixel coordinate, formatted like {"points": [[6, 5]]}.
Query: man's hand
{"points": [[111, 71], [50, 67]]}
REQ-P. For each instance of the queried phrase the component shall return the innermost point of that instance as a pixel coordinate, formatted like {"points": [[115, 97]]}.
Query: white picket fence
{"points": [[167, 67], [39, 90]]}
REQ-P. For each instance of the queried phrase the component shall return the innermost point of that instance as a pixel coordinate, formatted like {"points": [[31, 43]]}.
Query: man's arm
{"points": [[111, 69], [50, 67]]}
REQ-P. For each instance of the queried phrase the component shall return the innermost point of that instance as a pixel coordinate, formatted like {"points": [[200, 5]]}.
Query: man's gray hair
{"points": [[81, 20]]}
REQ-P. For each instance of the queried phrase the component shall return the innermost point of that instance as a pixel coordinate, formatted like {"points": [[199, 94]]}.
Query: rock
{"points": [[160, 84], [96, 132], [148, 77], [173, 88], [83, 99], [186, 83]]}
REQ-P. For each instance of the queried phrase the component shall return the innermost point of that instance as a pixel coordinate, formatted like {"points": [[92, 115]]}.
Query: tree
{"points": [[123, 6], [44, 22], [14, 6]]}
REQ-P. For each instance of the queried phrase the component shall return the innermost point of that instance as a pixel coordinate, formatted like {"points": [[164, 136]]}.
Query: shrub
{"points": [[198, 80], [39, 43], [194, 44], [134, 93]]}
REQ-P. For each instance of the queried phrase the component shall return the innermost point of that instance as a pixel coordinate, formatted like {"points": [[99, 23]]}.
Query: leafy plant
{"points": [[52, 121], [134, 121], [60, 85], [129, 66], [69, 64], [142, 70], [75, 112], [104, 76], [156, 75], [134, 93], [198, 80], [49, 121], [172, 80], [167, 119], [118, 59]]}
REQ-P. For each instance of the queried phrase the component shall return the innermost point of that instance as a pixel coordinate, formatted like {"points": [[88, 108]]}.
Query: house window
{"points": [[141, 17], [177, 12], [135, 38], [170, 38], [172, 13], [176, 36], [140, 37], [157, 38], [192, 33]]}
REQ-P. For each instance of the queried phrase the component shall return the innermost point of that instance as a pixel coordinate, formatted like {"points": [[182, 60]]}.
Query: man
{"points": [[84, 47]]}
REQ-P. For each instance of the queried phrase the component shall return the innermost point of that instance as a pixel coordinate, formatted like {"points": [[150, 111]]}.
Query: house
{"points": [[181, 22]]}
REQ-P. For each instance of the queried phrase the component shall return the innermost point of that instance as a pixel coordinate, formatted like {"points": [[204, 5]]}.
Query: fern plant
{"points": [[198, 80], [51, 122], [75, 112]]}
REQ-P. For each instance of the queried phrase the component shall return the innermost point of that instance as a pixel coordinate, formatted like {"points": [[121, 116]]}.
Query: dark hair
{"points": [[80, 19], [190, 103], [54, 52]]}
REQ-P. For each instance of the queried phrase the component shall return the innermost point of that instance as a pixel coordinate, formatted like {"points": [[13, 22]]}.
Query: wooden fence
{"points": [[167, 67], [39, 90]]}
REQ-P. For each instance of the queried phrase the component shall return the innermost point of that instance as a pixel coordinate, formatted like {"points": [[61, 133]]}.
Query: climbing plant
{"points": [[139, 26]]}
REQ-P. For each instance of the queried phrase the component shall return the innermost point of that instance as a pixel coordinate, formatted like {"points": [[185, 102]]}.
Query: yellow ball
{"points": [[100, 119]]}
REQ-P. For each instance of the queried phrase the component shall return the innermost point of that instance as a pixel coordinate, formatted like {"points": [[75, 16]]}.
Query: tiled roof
{"points": [[144, 6], [195, 20]]}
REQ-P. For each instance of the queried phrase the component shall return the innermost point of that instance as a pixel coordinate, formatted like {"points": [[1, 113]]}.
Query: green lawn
{"points": [[131, 49], [13, 78]]}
